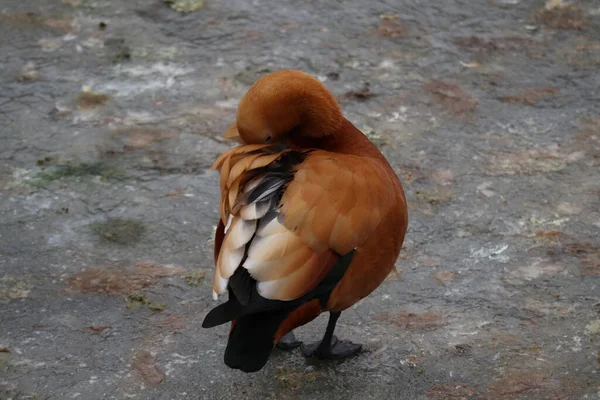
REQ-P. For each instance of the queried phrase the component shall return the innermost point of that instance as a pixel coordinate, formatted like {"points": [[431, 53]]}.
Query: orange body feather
{"points": [[289, 227]]}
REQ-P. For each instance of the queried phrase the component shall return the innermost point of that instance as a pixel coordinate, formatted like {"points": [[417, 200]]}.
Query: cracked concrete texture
{"points": [[111, 112]]}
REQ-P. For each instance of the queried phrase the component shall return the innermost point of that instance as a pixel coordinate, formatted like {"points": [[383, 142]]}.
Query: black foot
{"points": [[339, 349], [288, 342]]}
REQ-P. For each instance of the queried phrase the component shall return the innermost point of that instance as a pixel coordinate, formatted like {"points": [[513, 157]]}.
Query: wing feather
{"points": [[293, 214], [355, 190]]}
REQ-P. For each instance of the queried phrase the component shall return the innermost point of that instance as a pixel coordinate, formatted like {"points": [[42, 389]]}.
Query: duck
{"points": [[312, 220]]}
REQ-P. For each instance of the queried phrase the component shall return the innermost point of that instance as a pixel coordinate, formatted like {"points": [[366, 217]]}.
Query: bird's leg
{"points": [[288, 342], [330, 346]]}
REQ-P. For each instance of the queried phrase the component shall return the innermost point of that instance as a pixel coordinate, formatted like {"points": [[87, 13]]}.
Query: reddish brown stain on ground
{"points": [[531, 96], [172, 323], [568, 17], [390, 26], [146, 367], [142, 137], [480, 45], [451, 391], [444, 276], [410, 173], [518, 383], [408, 320], [112, 280], [450, 96]]}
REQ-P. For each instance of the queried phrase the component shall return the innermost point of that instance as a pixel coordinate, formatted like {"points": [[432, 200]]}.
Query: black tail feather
{"points": [[251, 340], [223, 313]]}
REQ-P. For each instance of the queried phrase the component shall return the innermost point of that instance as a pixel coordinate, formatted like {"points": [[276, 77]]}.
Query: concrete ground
{"points": [[111, 111]]}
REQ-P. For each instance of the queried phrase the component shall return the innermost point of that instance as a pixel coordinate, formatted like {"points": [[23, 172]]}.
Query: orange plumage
{"points": [[312, 219]]}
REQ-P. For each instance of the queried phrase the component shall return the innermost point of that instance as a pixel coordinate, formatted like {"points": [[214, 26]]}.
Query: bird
{"points": [[312, 220]]}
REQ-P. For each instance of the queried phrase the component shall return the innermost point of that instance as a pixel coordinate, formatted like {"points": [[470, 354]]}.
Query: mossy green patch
{"points": [[185, 6], [193, 278], [118, 51], [74, 169], [89, 99], [439, 196], [136, 300], [378, 139], [293, 379], [12, 288], [5, 358], [157, 307], [44, 161], [120, 231]]}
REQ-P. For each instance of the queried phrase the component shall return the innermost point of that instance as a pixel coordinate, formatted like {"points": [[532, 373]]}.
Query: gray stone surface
{"points": [[112, 111]]}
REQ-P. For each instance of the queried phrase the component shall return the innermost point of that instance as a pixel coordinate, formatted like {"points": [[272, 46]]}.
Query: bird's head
{"points": [[283, 104]]}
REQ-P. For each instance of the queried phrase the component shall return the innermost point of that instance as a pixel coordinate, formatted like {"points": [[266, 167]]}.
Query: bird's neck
{"points": [[347, 140]]}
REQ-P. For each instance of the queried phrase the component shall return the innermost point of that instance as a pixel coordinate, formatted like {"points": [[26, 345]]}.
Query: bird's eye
{"points": [[267, 139]]}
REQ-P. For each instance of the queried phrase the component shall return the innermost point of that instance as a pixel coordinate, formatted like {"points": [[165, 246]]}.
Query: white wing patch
{"points": [[241, 228], [228, 223]]}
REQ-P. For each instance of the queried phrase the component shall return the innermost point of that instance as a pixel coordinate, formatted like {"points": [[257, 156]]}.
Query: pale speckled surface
{"points": [[497, 295]]}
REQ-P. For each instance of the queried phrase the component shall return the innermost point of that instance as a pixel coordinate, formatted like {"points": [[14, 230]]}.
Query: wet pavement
{"points": [[112, 111]]}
